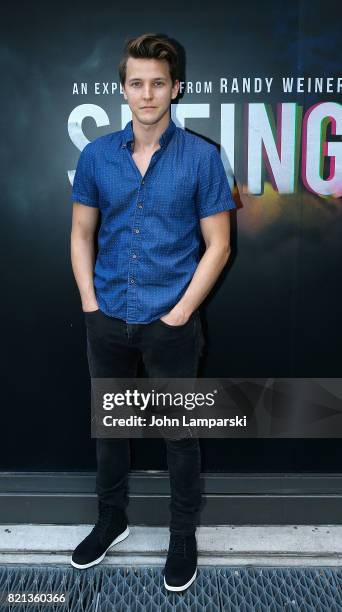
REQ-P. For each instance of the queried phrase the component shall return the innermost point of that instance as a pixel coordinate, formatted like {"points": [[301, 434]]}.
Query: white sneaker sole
{"points": [[183, 587], [118, 539]]}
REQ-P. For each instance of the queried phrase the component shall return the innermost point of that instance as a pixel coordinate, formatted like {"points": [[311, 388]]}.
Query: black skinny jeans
{"points": [[114, 350]]}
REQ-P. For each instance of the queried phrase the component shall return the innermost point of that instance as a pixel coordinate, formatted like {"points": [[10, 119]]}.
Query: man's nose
{"points": [[147, 92]]}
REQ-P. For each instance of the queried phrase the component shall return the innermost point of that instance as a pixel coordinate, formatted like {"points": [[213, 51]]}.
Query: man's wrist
{"points": [[88, 305]]}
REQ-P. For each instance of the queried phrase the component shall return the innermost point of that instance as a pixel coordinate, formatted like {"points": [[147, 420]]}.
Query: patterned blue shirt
{"points": [[149, 236]]}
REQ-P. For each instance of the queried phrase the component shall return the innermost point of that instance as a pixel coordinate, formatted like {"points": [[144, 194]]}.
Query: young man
{"points": [[158, 188]]}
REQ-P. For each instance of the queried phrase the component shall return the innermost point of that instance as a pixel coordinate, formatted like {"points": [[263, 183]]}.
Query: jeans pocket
{"points": [[190, 319], [91, 318], [172, 326]]}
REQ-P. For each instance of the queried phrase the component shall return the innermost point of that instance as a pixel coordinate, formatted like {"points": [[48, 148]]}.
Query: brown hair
{"points": [[150, 46]]}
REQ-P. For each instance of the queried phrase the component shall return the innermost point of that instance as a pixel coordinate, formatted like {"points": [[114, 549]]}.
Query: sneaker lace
{"points": [[105, 517], [177, 546]]}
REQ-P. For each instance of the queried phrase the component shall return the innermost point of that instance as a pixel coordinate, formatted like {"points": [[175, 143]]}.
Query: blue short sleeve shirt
{"points": [[149, 237]]}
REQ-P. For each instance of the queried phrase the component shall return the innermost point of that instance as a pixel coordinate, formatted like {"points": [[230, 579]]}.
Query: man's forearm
{"points": [[203, 280], [82, 260]]}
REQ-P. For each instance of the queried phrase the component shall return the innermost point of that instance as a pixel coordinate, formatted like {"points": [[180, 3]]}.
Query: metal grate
{"points": [[143, 589], [278, 589], [127, 589], [81, 587]]}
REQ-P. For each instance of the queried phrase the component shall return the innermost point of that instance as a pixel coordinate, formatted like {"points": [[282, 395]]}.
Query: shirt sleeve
{"points": [[84, 188], [213, 194]]}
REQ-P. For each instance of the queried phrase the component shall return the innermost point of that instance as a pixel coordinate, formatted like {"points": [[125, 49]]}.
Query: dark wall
{"points": [[276, 309]]}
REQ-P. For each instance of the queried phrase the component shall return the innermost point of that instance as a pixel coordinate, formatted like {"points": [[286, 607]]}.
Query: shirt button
{"points": [[132, 280], [134, 256], [137, 231], [140, 205]]}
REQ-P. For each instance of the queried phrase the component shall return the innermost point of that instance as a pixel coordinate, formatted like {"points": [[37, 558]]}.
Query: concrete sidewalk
{"points": [[290, 545]]}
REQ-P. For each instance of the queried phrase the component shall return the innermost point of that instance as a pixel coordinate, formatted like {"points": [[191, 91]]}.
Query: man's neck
{"points": [[146, 137]]}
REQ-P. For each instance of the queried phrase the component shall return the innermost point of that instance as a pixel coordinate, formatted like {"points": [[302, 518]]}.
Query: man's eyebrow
{"points": [[154, 79]]}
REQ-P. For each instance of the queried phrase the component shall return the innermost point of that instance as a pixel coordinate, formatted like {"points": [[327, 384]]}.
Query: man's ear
{"points": [[175, 87]]}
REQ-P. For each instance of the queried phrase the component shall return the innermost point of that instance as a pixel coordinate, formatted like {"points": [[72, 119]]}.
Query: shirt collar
{"points": [[128, 134]]}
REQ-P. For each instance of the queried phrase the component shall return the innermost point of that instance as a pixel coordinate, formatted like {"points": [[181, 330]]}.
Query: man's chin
{"points": [[149, 118]]}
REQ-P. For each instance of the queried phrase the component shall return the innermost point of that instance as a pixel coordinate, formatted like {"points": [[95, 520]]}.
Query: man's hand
{"points": [[177, 316]]}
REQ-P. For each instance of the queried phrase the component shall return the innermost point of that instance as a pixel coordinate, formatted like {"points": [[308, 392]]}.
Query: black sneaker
{"points": [[181, 564], [111, 528]]}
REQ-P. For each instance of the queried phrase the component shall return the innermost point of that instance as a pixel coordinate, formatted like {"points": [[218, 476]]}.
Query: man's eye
{"points": [[158, 83], [135, 84]]}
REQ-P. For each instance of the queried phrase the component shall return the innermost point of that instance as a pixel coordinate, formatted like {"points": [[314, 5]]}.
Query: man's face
{"points": [[148, 89]]}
